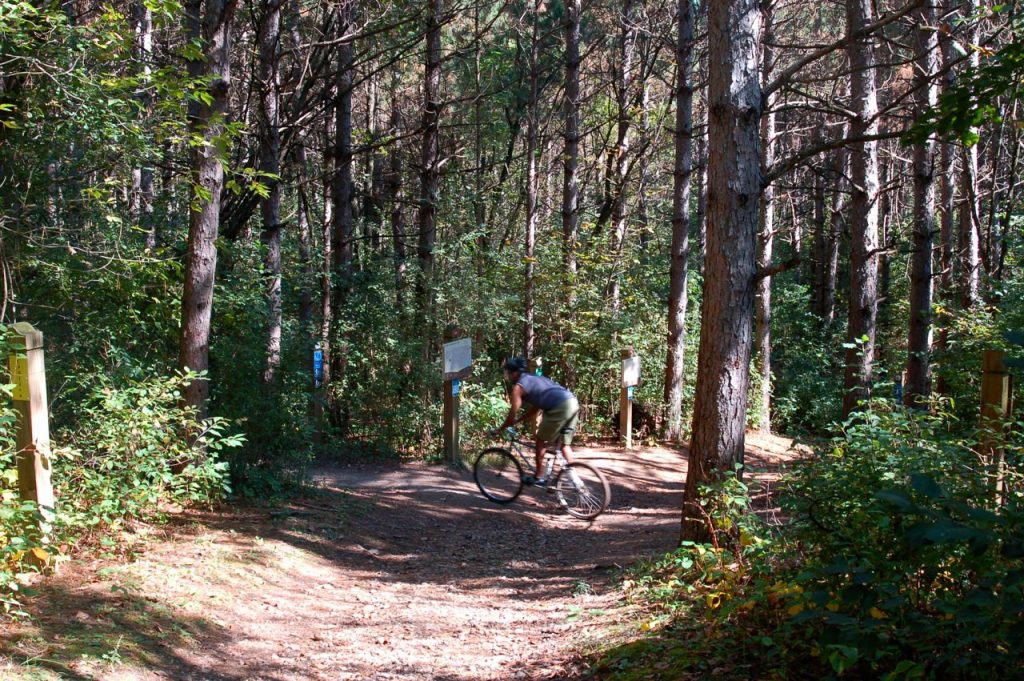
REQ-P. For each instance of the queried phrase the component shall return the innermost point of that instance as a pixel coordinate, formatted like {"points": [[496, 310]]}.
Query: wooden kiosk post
{"points": [[995, 407], [458, 363], [630, 377], [536, 367], [28, 374]]}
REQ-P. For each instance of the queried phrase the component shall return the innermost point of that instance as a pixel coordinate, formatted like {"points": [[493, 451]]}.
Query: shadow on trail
{"points": [[417, 524], [83, 635]]}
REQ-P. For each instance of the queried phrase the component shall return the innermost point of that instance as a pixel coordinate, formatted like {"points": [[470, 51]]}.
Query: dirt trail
{"points": [[388, 572]]}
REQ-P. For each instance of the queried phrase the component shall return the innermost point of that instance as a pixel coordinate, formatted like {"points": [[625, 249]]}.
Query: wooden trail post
{"points": [[995, 407], [630, 377], [458, 363], [28, 374], [536, 367]]}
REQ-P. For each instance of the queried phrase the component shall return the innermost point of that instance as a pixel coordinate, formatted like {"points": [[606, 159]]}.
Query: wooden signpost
{"points": [[995, 408], [630, 377], [28, 374], [536, 367], [458, 363]]}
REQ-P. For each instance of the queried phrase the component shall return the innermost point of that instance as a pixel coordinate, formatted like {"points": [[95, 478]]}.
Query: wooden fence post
{"points": [[995, 408], [28, 374]]}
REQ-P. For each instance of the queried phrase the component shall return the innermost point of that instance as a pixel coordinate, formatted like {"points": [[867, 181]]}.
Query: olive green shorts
{"points": [[558, 425]]}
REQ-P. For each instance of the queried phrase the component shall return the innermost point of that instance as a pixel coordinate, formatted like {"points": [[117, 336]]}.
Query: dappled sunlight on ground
{"points": [[383, 572]]}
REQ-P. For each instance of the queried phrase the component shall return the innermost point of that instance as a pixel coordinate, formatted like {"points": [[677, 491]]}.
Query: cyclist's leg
{"points": [[566, 432], [542, 447]]}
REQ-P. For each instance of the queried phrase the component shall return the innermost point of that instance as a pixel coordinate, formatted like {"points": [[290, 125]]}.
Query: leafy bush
{"points": [[135, 450], [899, 563]]}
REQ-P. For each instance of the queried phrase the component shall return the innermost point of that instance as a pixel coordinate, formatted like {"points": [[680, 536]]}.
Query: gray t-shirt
{"points": [[542, 392]]}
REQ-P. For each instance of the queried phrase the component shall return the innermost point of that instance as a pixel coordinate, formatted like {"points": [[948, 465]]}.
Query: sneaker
{"points": [[533, 480]]}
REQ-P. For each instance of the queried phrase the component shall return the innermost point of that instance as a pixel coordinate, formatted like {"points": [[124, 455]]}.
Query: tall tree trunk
{"points": [[210, 21], [917, 388], [734, 191], [702, 197], [570, 160], [269, 83], [341, 190], [836, 224], [969, 246], [620, 163], [305, 235], [863, 304], [765, 246], [142, 17], [532, 123], [680, 249], [426, 218], [397, 196]]}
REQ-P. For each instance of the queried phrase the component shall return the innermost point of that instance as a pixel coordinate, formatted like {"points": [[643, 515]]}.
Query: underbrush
{"points": [[900, 561], [134, 453]]}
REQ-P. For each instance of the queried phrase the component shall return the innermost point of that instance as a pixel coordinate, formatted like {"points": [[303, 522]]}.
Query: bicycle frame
{"points": [[518, 447]]}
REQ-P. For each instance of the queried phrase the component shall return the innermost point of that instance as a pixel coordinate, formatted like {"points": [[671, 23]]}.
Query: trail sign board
{"points": [[630, 371], [458, 359]]}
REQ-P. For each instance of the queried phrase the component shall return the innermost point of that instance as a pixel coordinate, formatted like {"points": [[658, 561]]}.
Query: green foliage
{"points": [[807, 364], [899, 562], [136, 450]]}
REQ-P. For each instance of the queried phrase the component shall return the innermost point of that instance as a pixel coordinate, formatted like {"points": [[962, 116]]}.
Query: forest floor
{"points": [[383, 571]]}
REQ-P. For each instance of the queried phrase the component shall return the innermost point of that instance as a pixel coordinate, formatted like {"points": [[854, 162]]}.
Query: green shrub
{"points": [[136, 449]]}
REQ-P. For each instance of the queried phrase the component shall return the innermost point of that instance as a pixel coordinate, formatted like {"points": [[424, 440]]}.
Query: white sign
{"points": [[458, 357], [630, 371]]}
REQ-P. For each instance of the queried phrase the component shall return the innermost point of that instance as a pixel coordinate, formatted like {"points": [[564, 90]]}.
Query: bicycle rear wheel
{"points": [[582, 490], [498, 475]]}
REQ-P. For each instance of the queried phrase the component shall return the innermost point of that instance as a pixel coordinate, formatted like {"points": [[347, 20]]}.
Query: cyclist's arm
{"points": [[515, 400]]}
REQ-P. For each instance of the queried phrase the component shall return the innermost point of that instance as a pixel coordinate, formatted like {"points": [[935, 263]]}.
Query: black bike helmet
{"points": [[515, 364]]}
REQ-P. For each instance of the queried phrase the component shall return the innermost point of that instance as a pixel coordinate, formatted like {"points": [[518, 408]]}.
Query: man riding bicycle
{"points": [[559, 407]]}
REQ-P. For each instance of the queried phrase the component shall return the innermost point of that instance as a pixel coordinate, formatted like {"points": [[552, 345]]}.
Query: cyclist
{"points": [[559, 407]]}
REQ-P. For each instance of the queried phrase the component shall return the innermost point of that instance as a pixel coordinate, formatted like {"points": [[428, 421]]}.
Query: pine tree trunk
{"points": [[532, 123], [734, 192], [142, 17], [969, 234], [270, 153], [341, 190], [863, 303], [620, 162], [570, 160], [429, 160], [917, 388], [675, 377], [765, 247], [212, 22], [397, 196]]}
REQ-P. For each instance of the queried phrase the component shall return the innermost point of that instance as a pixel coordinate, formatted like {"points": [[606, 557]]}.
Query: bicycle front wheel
{"points": [[582, 490], [498, 475]]}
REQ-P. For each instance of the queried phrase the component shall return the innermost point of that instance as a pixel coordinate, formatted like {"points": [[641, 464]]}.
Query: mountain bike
{"points": [[579, 488]]}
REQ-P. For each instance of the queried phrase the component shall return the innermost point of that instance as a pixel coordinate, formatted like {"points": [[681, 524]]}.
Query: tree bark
{"points": [[210, 21], [620, 164], [341, 191], [532, 124], [142, 17], [396, 194], [969, 246], [571, 158], [765, 247], [430, 158], [917, 387], [734, 191], [680, 248], [269, 84], [863, 304]]}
